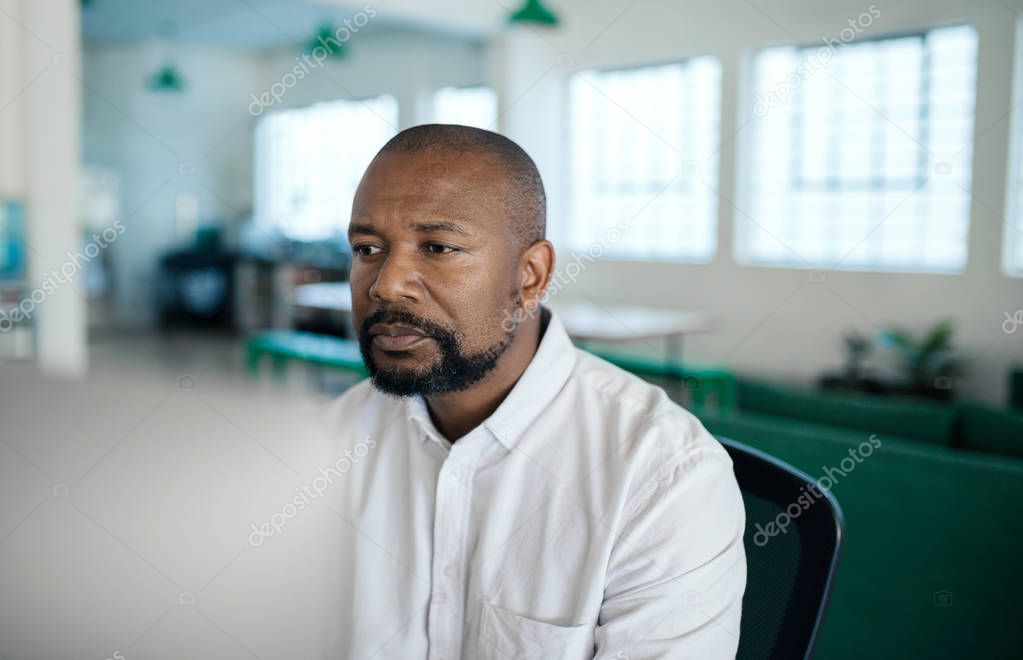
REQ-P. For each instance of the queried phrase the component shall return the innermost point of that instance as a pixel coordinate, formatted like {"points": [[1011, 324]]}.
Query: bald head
{"points": [[526, 200]]}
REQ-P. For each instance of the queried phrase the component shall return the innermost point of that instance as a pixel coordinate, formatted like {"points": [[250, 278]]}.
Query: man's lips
{"points": [[397, 336]]}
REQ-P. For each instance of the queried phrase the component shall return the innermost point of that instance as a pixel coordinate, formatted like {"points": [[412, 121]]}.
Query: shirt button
{"points": [[450, 570], [440, 598]]}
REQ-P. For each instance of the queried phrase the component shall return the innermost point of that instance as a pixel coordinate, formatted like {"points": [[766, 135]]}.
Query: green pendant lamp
{"points": [[326, 37], [534, 12], [167, 79]]}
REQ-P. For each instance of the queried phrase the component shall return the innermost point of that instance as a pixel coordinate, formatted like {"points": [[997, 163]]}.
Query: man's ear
{"points": [[536, 268]]}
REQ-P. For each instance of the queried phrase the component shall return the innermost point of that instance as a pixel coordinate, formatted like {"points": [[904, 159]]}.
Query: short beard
{"points": [[455, 370]]}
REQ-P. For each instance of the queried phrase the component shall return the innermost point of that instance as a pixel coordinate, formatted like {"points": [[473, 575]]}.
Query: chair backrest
{"points": [[794, 534]]}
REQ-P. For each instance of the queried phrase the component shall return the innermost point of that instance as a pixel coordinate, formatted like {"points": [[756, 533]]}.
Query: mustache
{"points": [[428, 327]]}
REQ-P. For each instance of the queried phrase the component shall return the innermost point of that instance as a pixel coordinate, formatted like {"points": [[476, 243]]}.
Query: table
{"points": [[590, 321], [584, 320], [330, 296]]}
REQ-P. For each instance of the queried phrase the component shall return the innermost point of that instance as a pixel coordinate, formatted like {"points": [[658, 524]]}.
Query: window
{"points": [[310, 160], [643, 153], [469, 106], [861, 154], [1013, 240]]}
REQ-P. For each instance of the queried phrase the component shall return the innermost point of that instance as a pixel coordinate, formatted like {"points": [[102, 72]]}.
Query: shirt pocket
{"points": [[505, 635]]}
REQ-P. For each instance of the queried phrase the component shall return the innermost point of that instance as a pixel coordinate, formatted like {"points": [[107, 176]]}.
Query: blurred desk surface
{"points": [[583, 320], [588, 321], [329, 296]]}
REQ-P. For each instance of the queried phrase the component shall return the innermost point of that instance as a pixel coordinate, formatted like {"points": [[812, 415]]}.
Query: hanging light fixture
{"points": [[326, 38], [166, 79], [534, 12]]}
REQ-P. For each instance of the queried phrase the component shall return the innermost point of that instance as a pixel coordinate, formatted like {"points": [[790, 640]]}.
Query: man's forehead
{"points": [[432, 182], [435, 169]]}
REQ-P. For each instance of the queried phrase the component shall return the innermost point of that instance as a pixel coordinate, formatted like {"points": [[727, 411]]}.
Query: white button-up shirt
{"points": [[588, 516]]}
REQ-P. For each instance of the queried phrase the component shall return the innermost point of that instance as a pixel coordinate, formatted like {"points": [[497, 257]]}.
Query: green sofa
{"points": [[934, 517]]}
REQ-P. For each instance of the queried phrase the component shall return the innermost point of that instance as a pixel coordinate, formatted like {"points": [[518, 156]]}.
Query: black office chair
{"points": [[789, 574]]}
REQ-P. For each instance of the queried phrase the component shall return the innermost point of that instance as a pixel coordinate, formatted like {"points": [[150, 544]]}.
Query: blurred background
{"points": [[803, 219]]}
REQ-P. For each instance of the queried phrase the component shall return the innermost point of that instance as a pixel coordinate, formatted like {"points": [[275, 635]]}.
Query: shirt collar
{"points": [[543, 378]]}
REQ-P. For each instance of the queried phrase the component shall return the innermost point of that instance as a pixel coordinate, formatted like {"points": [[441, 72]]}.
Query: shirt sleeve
{"points": [[677, 572]]}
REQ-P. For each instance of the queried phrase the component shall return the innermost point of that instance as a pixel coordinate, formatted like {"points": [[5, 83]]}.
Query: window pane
{"points": [[643, 157], [861, 155], [310, 160], [469, 106]]}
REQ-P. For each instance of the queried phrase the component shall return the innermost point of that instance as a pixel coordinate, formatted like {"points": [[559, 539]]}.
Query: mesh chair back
{"points": [[791, 555]]}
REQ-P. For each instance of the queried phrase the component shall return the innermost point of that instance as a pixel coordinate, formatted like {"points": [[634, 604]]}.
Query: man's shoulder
{"points": [[655, 429], [618, 387], [626, 396]]}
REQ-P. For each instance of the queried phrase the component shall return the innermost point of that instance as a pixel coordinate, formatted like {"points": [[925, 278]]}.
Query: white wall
{"points": [[164, 145], [156, 140], [773, 321], [408, 65]]}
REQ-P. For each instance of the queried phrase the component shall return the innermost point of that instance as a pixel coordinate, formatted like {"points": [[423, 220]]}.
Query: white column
{"points": [[51, 110], [12, 184], [527, 71]]}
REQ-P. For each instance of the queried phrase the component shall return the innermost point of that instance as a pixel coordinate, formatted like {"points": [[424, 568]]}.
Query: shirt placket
{"points": [[451, 517]]}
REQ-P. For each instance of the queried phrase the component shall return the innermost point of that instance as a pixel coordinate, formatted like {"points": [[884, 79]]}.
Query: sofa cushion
{"points": [[923, 522], [918, 420], [989, 430]]}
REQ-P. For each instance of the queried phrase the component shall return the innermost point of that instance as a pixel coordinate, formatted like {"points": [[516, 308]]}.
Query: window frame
{"points": [[746, 145], [265, 224], [567, 192], [481, 85]]}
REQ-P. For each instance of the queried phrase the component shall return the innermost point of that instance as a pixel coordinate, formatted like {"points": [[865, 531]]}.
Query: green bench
{"points": [[283, 346], [703, 384]]}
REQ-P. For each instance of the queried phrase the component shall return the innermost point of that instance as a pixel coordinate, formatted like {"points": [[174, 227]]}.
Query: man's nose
{"points": [[397, 280]]}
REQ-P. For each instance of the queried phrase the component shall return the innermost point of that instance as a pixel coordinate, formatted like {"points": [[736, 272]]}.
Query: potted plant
{"points": [[929, 364], [853, 376]]}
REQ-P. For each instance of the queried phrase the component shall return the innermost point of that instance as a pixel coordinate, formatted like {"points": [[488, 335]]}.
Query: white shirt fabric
{"points": [[588, 516]]}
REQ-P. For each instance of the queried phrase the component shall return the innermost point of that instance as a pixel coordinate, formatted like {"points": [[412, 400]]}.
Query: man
{"points": [[513, 497]]}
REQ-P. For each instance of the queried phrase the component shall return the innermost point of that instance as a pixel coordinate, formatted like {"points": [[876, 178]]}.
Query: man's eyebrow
{"points": [[423, 227], [442, 225], [361, 228]]}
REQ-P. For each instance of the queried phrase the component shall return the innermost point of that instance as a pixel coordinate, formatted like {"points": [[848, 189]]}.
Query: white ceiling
{"points": [[272, 23]]}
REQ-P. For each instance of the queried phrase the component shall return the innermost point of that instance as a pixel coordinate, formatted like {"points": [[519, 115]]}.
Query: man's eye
{"points": [[439, 248], [364, 250]]}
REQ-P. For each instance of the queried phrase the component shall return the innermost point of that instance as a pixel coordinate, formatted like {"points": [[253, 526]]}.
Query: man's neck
{"points": [[456, 413]]}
